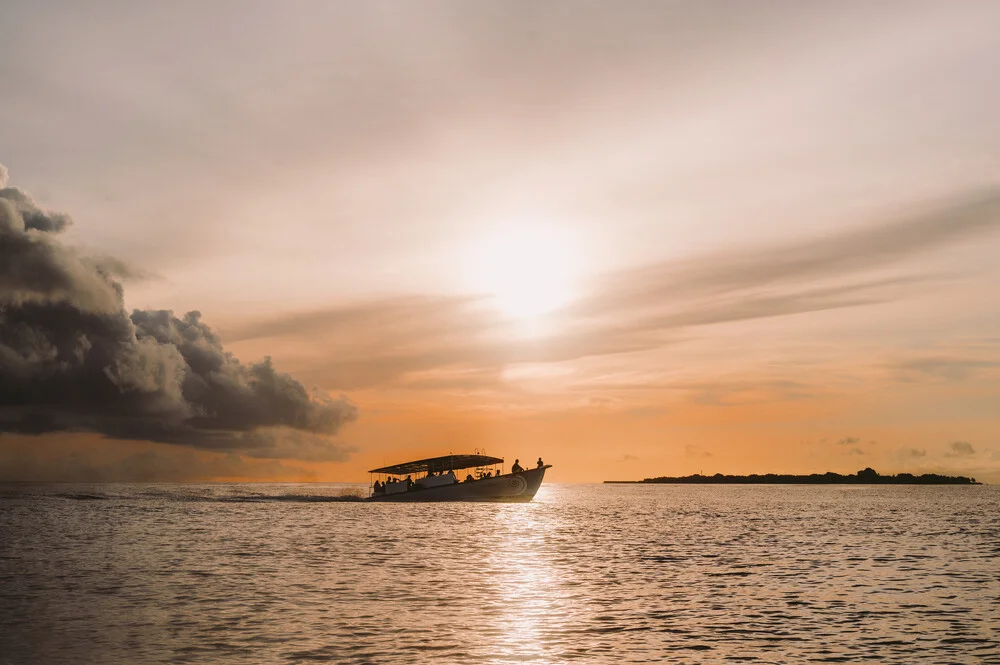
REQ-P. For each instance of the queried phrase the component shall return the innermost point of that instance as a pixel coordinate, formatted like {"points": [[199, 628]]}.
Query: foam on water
{"points": [[299, 573]]}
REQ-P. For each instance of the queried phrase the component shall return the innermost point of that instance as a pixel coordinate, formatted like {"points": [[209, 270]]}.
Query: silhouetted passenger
{"points": [[409, 482], [517, 467], [469, 478], [540, 463], [377, 488]]}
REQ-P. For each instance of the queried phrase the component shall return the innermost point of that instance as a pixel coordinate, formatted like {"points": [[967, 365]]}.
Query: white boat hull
{"points": [[517, 487]]}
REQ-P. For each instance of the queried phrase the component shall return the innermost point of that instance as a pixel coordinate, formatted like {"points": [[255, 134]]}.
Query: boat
{"points": [[434, 479]]}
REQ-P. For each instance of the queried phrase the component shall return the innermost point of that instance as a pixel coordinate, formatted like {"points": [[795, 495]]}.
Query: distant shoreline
{"points": [[865, 477]]}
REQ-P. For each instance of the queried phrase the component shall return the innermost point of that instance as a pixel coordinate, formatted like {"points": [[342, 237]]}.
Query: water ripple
{"points": [[624, 574]]}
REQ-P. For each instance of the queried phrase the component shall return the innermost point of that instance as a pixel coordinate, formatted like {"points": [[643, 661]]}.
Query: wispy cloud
{"points": [[941, 367], [640, 309], [839, 256], [696, 452], [960, 449]]}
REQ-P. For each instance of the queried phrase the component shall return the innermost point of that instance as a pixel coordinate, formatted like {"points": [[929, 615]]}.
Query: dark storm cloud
{"points": [[72, 359], [36, 268], [33, 216]]}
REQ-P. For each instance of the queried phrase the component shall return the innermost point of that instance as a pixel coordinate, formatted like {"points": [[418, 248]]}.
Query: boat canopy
{"points": [[438, 464]]}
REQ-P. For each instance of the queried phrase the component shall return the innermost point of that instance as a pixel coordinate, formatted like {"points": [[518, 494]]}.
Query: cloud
{"points": [[32, 217], [945, 368], [73, 360], [120, 269], [647, 411], [960, 449], [627, 458], [849, 441], [915, 453], [633, 310], [35, 269], [695, 452], [875, 246]]}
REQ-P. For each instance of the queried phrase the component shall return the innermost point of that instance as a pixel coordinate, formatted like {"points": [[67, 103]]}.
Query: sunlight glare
{"points": [[527, 271]]}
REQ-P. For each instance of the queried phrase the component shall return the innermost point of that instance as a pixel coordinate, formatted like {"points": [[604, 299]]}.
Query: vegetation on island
{"points": [[868, 476]]}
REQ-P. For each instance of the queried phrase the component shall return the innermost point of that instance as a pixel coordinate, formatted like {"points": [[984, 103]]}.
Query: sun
{"points": [[526, 271]]}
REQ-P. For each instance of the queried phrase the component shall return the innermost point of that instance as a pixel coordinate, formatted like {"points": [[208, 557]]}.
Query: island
{"points": [[866, 476]]}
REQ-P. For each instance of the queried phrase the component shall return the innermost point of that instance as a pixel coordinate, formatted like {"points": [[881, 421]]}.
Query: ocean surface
{"points": [[589, 573]]}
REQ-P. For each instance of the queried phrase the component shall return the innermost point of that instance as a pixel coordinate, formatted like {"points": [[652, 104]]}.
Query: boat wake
{"points": [[346, 497], [289, 498]]}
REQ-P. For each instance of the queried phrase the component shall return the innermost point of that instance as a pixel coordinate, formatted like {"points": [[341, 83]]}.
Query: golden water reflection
{"points": [[598, 574], [526, 583]]}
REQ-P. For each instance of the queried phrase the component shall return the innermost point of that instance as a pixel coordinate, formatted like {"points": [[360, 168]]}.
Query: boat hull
{"points": [[517, 487]]}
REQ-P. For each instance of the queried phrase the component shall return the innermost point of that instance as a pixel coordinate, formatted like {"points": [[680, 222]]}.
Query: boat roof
{"points": [[443, 463]]}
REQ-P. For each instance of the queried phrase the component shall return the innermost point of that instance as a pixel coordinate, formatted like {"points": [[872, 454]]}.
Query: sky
{"points": [[634, 238]]}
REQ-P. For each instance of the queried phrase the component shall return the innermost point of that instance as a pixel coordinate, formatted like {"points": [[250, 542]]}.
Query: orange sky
{"points": [[635, 239]]}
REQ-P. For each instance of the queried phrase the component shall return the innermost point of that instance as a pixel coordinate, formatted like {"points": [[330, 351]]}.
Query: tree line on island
{"points": [[867, 476]]}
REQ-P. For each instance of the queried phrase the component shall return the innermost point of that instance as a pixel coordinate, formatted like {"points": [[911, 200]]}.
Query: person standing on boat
{"points": [[540, 463], [516, 468]]}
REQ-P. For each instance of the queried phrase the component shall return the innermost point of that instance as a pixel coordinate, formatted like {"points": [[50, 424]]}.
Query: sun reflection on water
{"points": [[526, 585], [603, 574]]}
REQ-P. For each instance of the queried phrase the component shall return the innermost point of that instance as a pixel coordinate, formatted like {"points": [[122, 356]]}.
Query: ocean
{"points": [[286, 573]]}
